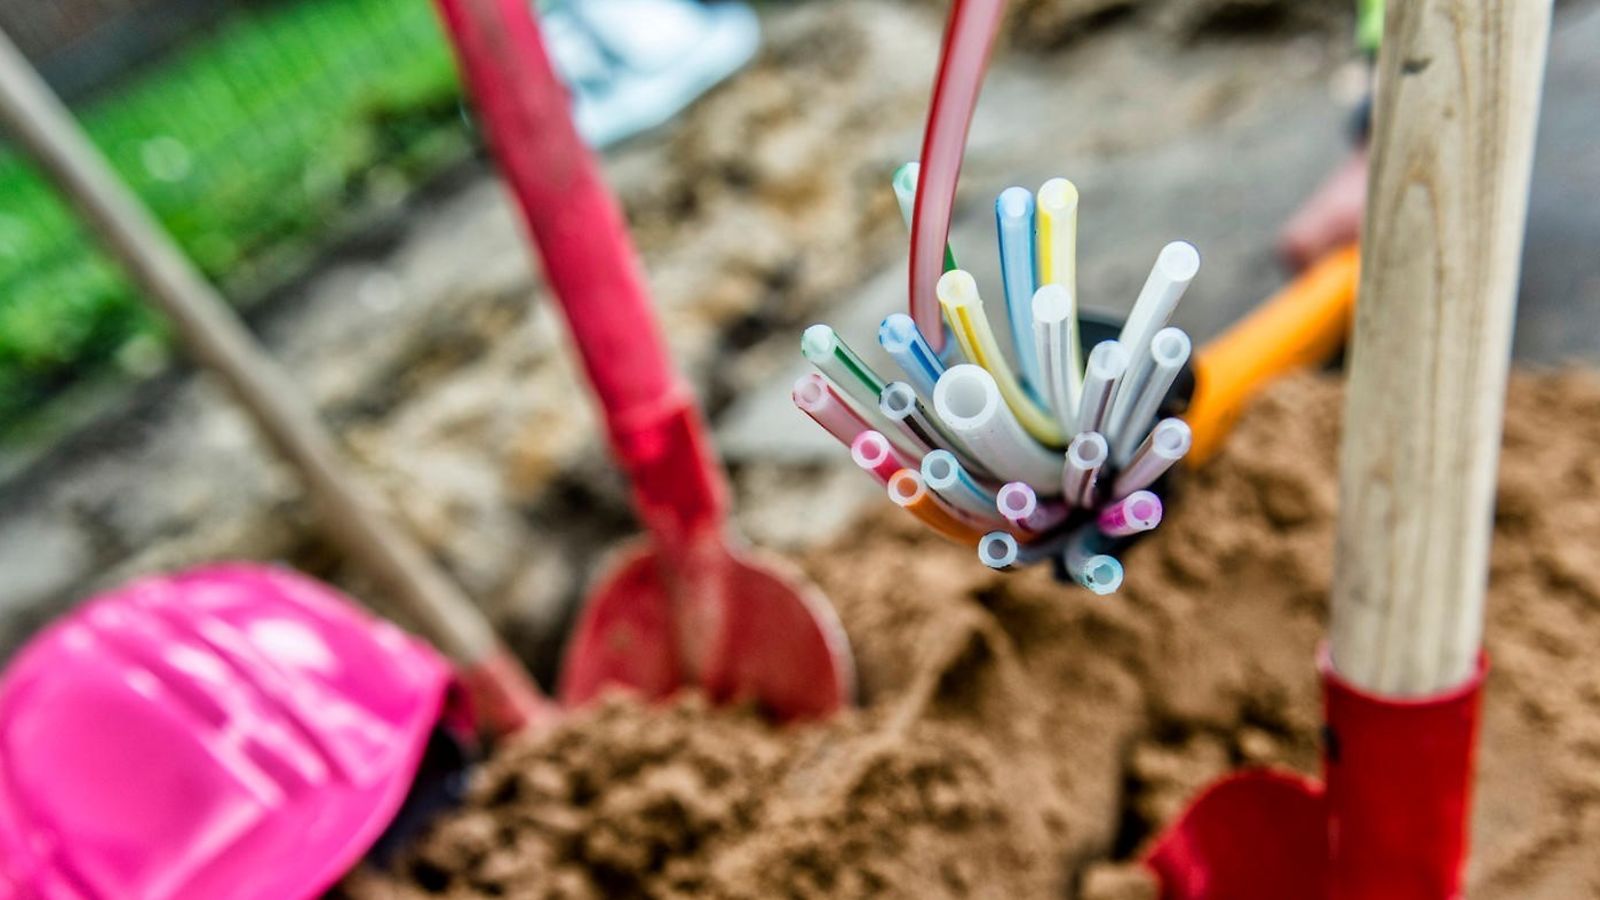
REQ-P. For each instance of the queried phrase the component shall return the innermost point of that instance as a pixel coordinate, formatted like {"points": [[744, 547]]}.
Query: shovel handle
{"points": [[1447, 196], [654, 423], [1302, 325], [354, 515]]}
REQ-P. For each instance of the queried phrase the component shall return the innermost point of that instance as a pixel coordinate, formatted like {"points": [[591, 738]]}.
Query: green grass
{"points": [[247, 143]]}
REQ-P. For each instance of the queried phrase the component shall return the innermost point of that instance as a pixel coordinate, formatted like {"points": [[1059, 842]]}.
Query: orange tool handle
{"points": [[1302, 325]]}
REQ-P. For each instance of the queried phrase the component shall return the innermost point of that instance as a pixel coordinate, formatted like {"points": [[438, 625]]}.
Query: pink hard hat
{"points": [[236, 731]]}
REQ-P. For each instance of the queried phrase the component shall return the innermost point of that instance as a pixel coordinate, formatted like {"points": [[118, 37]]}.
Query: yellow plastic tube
{"points": [[963, 310]]}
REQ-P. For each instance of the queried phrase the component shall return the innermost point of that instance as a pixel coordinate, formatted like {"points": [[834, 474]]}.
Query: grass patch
{"points": [[248, 142]]}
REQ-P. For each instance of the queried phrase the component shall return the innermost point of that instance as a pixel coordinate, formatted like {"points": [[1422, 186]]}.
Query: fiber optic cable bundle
{"points": [[1043, 454]]}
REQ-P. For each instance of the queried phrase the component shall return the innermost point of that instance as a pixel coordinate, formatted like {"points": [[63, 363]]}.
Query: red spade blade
{"points": [[1391, 823], [783, 646], [1258, 835]]}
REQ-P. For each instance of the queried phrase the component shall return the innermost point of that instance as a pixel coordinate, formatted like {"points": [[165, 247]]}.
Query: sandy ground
{"points": [[1018, 738]]}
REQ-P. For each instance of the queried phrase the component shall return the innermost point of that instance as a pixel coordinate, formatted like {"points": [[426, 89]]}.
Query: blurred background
{"points": [[314, 159]]}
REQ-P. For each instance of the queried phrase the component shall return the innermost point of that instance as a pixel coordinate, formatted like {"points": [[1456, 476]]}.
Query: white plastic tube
{"points": [[1169, 350], [969, 325], [904, 417], [1086, 456], [999, 550], [905, 190], [1055, 340], [1003, 550], [1108, 362], [1167, 444], [1098, 572], [1022, 508], [943, 474], [1175, 268], [899, 404], [969, 403]]}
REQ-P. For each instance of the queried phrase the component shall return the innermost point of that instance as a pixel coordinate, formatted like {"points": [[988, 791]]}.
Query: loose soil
{"points": [[1018, 738]]}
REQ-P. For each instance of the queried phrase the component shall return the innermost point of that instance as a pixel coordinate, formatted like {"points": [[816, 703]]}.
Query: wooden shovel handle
{"points": [[1452, 148], [354, 515]]}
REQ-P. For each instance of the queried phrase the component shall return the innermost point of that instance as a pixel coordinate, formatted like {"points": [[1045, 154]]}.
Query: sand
{"points": [[1018, 738]]}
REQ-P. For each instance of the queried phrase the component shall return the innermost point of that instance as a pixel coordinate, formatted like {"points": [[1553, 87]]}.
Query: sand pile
{"points": [[1018, 738]]}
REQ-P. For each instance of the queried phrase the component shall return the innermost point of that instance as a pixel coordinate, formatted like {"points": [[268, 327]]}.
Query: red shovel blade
{"points": [[748, 633], [784, 647], [1390, 824], [1258, 835]]}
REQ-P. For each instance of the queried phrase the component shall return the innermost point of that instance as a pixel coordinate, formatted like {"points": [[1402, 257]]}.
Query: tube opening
{"points": [[808, 392], [1052, 303], [1017, 499], [1179, 261], [897, 400], [966, 393], [870, 449], [1104, 574], [1014, 202], [957, 287], [1108, 359], [1170, 347], [998, 549], [1142, 508], [905, 487], [939, 468], [818, 341], [1058, 194], [1088, 450], [897, 332], [1171, 438], [905, 178]]}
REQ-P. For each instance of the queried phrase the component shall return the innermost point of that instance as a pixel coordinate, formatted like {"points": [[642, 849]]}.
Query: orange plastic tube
{"points": [[907, 490], [1302, 325]]}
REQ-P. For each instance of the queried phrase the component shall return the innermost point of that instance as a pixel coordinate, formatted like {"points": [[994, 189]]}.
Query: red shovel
{"points": [[1451, 153], [685, 608]]}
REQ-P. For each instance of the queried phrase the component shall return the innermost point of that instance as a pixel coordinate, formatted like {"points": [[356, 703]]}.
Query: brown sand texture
{"points": [[1019, 738]]}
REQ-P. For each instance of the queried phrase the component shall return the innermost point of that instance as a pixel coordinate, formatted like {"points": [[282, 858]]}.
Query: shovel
{"points": [[1403, 673], [685, 607], [354, 514]]}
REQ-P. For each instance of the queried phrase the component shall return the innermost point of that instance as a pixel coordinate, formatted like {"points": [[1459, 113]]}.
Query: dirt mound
{"points": [[1019, 738]]}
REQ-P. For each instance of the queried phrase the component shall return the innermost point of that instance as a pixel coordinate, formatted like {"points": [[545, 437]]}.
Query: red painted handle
{"points": [[1399, 776], [655, 426], [967, 39]]}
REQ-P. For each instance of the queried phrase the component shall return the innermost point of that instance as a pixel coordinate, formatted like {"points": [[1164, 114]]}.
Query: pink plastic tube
{"points": [[817, 399], [1021, 507], [1139, 511], [967, 39], [872, 452]]}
